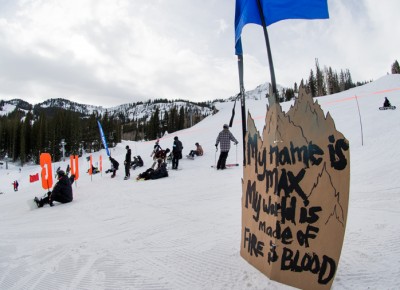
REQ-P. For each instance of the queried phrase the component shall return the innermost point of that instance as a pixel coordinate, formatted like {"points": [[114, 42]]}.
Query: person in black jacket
{"points": [[137, 162], [62, 191], [127, 162], [386, 103], [176, 152], [151, 173], [114, 167]]}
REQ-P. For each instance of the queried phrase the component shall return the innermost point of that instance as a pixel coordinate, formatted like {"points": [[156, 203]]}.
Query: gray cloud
{"points": [[112, 52]]}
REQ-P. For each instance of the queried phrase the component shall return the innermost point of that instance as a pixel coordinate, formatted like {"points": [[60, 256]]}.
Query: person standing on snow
{"points": [[176, 152], [224, 137], [127, 162], [156, 148], [15, 185]]}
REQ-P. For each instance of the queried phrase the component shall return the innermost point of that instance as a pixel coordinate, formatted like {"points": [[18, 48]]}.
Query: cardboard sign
{"points": [[296, 184]]}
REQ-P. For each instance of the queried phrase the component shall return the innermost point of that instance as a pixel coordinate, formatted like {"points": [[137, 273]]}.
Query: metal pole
{"points": [[359, 114], [271, 64], [243, 104]]}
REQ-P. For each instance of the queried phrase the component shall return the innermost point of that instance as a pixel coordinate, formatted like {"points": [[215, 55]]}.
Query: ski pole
{"points": [[236, 154], [215, 158]]}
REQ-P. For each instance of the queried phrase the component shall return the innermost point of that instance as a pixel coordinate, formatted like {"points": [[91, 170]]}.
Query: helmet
{"points": [[197, 144], [176, 138], [226, 126]]}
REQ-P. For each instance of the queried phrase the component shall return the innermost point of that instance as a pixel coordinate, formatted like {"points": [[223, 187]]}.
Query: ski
{"points": [[388, 108]]}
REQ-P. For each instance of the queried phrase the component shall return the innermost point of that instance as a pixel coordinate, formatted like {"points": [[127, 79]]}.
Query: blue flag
{"points": [[274, 11], [103, 138]]}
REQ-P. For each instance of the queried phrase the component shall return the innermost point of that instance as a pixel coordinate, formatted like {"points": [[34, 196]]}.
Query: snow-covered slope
{"points": [[183, 232]]}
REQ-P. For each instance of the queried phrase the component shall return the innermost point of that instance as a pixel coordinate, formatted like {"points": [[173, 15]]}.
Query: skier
{"points": [[62, 191], [127, 162], [197, 152], [224, 137], [176, 152], [114, 167], [386, 103]]}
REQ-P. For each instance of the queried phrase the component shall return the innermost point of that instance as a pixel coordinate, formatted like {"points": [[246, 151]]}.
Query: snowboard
{"points": [[388, 108], [32, 204], [227, 165]]}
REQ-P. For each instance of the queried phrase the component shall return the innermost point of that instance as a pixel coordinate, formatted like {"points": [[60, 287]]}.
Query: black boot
{"points": [[38, 202]]}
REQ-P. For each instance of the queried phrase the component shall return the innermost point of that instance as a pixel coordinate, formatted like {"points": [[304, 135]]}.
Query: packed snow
{"points": [[183, 231]]}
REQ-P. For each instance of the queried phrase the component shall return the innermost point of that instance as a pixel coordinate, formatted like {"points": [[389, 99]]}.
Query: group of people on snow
{"points": [[62, 191]]}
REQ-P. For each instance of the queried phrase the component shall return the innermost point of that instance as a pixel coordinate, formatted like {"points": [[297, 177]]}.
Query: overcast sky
{"points": [[112, 52]]}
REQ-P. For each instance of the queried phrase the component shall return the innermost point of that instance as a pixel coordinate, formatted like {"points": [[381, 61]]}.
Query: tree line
{"points": [[27, 132], [327, 81]]}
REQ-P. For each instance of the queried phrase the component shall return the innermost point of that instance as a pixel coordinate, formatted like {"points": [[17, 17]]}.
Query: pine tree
{"points": [[395, 68], [312, 84], [320, 82]]}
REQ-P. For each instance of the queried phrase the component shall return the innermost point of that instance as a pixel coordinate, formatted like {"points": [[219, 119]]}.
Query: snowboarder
{"points": [[176, 152], [127, 162], [137, 162], [160, 154], [197, 152], [386, 103], [156, 148], [224, 137], [159, 172], [62, 191], [94, 170], [114, 167]]}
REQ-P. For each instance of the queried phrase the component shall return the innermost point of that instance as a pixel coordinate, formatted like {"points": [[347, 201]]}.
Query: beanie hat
{"points": [[226, 126], [60, 173]]}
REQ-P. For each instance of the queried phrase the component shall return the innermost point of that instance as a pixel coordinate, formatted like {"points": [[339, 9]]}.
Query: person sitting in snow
{"points": [[159, 172], [94, 170], [386, 103], [137, 162], [197, 152], [62, 191]]}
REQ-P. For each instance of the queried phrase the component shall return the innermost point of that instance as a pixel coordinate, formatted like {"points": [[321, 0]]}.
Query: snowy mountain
{"points": [[127, 112], [184, 231]]}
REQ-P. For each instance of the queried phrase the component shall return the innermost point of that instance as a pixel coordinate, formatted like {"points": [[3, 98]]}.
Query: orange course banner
{"points": [[74, 165], [90, 165], [46, 173]]}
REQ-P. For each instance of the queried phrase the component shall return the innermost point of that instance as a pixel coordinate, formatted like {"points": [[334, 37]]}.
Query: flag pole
{"points": [[271, 64], [242, 102]]}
